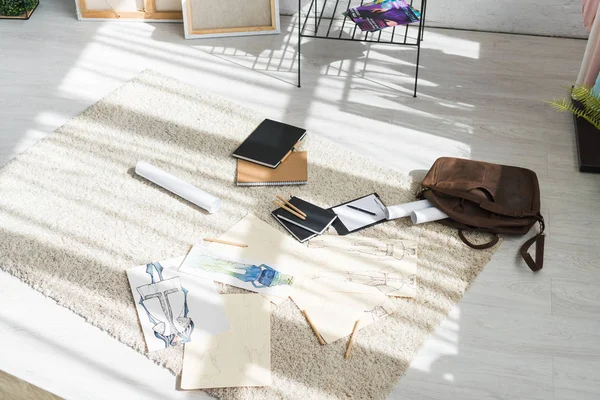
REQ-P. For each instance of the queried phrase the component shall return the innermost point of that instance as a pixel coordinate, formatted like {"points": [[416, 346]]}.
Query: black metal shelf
{"points": [[315, 25]]}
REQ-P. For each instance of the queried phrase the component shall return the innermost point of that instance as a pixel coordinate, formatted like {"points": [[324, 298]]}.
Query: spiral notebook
{"points": [[270, 142], [293, 171]]}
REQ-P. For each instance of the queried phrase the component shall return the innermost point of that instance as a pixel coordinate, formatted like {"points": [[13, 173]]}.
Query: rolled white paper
{"points": [[427, 215], [404, 210], [178, 186]]}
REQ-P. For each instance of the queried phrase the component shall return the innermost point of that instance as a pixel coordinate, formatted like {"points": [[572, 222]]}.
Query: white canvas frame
{"points": [[197, 33]]}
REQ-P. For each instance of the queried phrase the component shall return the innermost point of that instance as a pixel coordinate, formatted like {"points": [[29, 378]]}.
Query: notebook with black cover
{"points": [[317, 219], [301, 234], [270, 142]]}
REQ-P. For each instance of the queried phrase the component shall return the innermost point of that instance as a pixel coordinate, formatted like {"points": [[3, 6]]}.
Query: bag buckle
{"points": [[542, 227]]}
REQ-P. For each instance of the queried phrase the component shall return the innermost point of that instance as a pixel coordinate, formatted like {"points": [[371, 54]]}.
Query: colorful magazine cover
{"points": [[382, 14]]}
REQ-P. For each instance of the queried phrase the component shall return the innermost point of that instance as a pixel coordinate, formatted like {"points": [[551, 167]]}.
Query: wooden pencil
{"points": [[317, 334], [286, 156], [225, 242], [351, 341], [286, 208], [299, 211]]}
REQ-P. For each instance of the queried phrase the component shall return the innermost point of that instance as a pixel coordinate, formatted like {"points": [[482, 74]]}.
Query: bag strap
{"points": [[487, 245], [539, 240], [538, 263]]}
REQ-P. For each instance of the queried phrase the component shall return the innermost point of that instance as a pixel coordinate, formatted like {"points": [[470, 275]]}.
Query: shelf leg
{"points": [[423, 11], [299, 36], [419, 33]]}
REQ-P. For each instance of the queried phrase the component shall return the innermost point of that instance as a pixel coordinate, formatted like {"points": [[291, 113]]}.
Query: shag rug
{"points": [[74, 216]]}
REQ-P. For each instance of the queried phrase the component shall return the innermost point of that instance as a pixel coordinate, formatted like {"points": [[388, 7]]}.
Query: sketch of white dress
{"points": [[397, 259]]}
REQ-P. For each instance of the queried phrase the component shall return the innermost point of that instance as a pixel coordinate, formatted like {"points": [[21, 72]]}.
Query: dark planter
{"points": [[588, 144], [17, 9]]}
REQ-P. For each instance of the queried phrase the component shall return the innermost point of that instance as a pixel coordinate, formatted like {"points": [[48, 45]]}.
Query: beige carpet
{"points": [[73, 217]]}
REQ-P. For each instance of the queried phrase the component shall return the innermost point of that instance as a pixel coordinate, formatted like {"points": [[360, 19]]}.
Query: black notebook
{"points": [[270, 142], [301, 234], [317, 219]]}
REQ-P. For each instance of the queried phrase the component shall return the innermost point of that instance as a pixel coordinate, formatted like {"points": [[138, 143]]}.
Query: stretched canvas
{"points": [[238, 357], [259, 277], [174, 308]]}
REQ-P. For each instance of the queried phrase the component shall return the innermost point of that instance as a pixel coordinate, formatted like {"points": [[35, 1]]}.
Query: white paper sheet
{"points": [[174, 308], [355, 219], [178, 186], [238, 357], [404, 210], [257, 277], [427, 215], [387, 265]]}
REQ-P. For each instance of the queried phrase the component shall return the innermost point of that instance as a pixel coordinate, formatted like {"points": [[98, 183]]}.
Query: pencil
{"points": [[299, 211], [349, 348], [317, 334], [286, 208], [360, 209], [225, 242], [286, 156]]}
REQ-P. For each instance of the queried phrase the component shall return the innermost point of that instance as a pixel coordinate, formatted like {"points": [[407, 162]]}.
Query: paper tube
{"points": [[427, 215], [404, 210], [178, 186]]}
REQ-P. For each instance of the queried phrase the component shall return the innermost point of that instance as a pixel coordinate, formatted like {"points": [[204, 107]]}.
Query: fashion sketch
{"points": [[392, 269], [166, 306]]}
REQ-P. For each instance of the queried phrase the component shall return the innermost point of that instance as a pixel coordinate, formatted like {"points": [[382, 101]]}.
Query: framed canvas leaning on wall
{"points": [[204, 19], [129, 10]]}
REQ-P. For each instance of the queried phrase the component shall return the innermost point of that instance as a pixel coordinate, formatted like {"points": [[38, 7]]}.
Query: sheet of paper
{"points": [[238, 357], [258, 277], [333, 304], [334, 313], [387, 265], [174, 308], [266, 244], [355, 219]]}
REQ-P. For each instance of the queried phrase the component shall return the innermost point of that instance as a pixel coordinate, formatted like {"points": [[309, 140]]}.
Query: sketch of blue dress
{"points": [[260, 276]]}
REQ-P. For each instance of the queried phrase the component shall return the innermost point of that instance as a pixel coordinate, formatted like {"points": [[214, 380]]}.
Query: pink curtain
{"points": [[589, 8], [590, 66]]}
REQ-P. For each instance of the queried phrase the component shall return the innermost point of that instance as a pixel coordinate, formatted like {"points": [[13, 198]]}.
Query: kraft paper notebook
{"points": [[293, 171], [270, 142]]}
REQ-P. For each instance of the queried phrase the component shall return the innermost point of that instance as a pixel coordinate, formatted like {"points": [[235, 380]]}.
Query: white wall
{"points": [[540, 17]]}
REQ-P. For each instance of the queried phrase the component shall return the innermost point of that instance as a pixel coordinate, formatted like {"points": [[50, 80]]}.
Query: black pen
{"points": [[360, 209]]}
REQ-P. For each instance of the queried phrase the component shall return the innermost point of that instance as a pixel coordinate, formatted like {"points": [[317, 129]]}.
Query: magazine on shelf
{"points": [[381, 14]]}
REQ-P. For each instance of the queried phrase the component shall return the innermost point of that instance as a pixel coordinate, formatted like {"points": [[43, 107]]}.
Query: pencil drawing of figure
{"points": [[388, 283], [366, 246], [165, 303]]}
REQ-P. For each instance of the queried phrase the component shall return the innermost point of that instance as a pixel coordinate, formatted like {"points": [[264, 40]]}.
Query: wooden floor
{"points": [[516, 335]]}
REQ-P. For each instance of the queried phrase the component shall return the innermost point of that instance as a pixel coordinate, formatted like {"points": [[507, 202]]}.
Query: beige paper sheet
{"points": [[238, 357], [266, 245], [334, 305]]}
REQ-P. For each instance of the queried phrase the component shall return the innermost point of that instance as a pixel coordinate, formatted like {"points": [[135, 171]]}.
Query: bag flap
{"points": [[501, 189]]}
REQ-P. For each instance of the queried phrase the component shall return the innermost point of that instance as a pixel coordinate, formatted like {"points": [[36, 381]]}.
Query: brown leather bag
{"points": [[487, 197]]}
